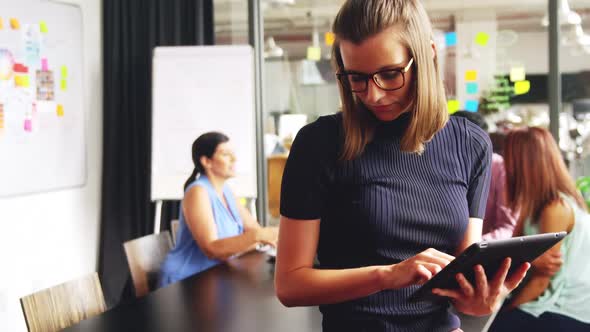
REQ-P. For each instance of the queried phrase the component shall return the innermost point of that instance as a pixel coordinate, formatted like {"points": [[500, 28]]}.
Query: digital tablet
{"points": [[490, 254]]}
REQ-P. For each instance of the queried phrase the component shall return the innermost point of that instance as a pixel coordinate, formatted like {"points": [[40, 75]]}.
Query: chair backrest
{"points": [[174, 224], [145, 255], [61, 306]]}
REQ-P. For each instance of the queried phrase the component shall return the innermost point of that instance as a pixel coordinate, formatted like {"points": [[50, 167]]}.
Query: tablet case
{"points": [[490, 254]]}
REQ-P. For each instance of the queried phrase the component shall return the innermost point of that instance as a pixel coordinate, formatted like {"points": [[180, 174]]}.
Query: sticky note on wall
{"points": [[517, 74], [43, 27], [22, 81], [28, 127], [482, 38], [330, 37], [451, 38], [472, 88], [452, 106], [14, 24], [471, 105], [1, 23], [1, 116], [20, 68], [314, 53], [60, 110], [522, 87], [471, 75], [64, 72]]}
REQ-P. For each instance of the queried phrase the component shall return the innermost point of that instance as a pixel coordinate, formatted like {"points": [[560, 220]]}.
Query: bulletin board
{"points": [[197, 89], [42, 140]]}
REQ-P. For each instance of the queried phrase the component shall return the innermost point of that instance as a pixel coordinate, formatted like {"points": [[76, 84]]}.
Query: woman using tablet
{"points": [[388, 190], [539, 185], [213, 225]]}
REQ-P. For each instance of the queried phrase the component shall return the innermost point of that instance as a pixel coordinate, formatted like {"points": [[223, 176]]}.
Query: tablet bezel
{"points": [[490, 255]]}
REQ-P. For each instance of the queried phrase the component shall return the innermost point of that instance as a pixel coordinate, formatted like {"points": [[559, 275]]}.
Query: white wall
{"points": [[532, 50], [53, 237]]}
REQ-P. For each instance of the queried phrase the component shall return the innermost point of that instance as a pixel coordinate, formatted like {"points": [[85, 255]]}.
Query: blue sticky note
{"points": [[472, 88], [471, 105], [451, 38]]}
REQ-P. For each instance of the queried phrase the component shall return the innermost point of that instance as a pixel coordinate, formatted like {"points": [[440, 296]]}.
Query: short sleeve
{"points": [[479, 181], [306, 174]]}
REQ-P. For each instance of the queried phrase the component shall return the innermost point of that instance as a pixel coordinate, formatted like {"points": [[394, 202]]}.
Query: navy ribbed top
{"points": [[386, 206]]}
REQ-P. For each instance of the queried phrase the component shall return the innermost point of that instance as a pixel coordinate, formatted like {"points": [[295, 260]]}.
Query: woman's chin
{"points": [[386, 116]]}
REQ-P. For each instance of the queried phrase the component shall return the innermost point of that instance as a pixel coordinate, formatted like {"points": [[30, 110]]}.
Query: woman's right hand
{"points": [[267, 235], [415, 270]]}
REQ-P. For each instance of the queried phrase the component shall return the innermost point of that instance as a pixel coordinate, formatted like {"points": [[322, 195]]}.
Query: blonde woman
{"points": [[388, 190]]}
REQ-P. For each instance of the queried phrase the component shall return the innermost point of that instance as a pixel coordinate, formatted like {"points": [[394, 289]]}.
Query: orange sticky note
{"points": [[60, 110], [330, 37], [1, 23], [14, 24], [471, 75]]}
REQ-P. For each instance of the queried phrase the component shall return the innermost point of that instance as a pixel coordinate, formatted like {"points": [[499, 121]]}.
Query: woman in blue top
{"points": [[213, 225], [538, 184]]}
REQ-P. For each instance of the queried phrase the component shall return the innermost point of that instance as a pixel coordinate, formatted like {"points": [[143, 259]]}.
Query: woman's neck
{"points": [[217, 183]]}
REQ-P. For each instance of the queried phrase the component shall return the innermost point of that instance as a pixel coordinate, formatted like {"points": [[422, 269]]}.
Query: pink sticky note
{"points": [[28, 125], [44, 65]]}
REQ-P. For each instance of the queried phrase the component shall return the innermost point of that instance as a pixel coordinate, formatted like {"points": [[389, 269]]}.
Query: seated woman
{"points": [[213, 225], [539, 185]]}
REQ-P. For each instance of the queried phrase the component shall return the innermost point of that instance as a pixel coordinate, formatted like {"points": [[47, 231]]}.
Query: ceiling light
{"points": [[271, 49], [566, 15]]}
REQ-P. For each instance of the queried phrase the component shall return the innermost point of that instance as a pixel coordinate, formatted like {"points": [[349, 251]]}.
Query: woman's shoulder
{"points": [[200, 184], [324, 132], [323, 125], [558, 215], [464, 130]]}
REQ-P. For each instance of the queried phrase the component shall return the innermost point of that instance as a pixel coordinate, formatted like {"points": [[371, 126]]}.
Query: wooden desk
{"points": [[238, 296]]}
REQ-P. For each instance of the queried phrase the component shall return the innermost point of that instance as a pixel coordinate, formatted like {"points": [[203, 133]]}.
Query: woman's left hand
{"points": [[486, 297]]}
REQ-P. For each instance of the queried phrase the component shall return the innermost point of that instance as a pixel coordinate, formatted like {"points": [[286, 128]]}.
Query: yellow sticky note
{"points": [[471, 75], [314, 53], [330, 37], [64, 85], [522, 87], [64, 72], [14, 24], [43, 27], [482, 38], [60, 110], [453, 106], [22, 81], [517, 74], [1, 23]]}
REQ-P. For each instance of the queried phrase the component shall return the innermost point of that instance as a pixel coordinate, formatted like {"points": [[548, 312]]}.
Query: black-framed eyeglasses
{"points": [[386, 79]]}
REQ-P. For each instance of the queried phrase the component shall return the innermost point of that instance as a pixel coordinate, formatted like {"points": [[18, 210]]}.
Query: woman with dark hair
{"points": [[213, 225], [387, 191], [539, 185]]}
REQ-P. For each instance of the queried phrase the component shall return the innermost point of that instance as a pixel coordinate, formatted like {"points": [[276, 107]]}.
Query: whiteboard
{"points": [[197, 89], [42, 142]]}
